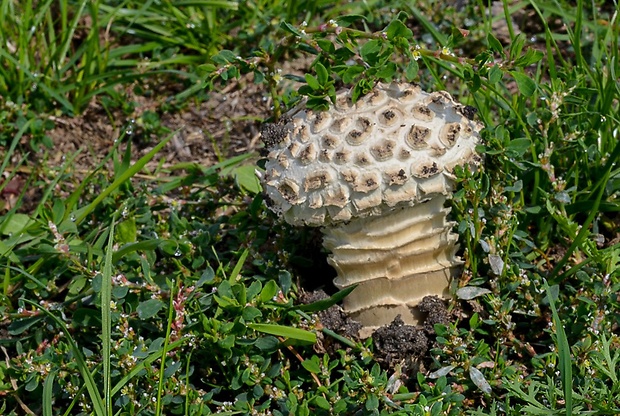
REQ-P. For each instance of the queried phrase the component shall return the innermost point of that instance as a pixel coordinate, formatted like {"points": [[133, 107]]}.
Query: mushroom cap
{"points": [[398, 145]]}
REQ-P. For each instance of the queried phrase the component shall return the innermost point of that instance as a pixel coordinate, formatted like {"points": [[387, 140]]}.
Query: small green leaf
{"points": [[372, 403], [245, 178], [411, 71], [250, 313], [516, 187], [290, 28], [286, 281], [321, 73], [18, 326], [268, 343], [519, 146], [474, 321], [531, 57], [312, 365], [224, 57], [347, 19], [146, 245], [269, 291], [525, 84], [396, 28], [254, 289], [495, 74], [495, 45], [312, 82], [207, 276], [516, 46], [58, 211], [351, 73], [15, 223], [386, 73], [322, 402], [126, 231], [370, 50], [237, 269], [326, 45], [149, 308]]}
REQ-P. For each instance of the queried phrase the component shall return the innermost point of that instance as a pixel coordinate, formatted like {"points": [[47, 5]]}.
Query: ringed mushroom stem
{"points": [[396, 260]]}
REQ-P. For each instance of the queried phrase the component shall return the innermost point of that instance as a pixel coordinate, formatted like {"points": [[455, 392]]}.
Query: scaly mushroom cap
{"points": [[398, 145]]}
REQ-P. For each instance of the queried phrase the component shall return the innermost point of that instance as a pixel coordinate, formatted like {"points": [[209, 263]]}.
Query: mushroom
{"points": [[375, 175]]}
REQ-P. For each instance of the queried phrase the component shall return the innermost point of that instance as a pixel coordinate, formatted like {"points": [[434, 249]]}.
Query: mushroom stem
{"points": [[395, 259]]}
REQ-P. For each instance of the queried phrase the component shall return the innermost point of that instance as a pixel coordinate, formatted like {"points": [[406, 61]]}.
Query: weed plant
{"points": [[178, 295]]}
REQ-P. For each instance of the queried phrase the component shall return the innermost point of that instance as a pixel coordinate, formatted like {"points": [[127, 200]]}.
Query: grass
{"points": [[181, 294]]}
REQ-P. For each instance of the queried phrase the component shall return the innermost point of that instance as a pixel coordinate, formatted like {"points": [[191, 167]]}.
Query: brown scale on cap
{"points": [[410, 93], [309, 154], [361, 132], [349, 175], [390, 117], [289, 190], [425, 170], [325, 156], [422, 112], [317, 180], [330, 141], [367, 182], [372, 99], [449, 133], [295, 149], [418, 136], [384, 150], [362, 159], [303, 132], [397, 177], [340, 125], [342, 157], [375, 175], [321, 121]]}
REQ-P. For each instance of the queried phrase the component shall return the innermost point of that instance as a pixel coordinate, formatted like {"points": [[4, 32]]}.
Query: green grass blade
{"points": [[69, 33], [162, 367], [564, 353], [48, 386], [138, 246], [285, 331], [106, 320], [238, 266]]}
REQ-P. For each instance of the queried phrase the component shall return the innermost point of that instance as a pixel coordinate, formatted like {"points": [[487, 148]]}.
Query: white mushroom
{"points": [[376, 176]]}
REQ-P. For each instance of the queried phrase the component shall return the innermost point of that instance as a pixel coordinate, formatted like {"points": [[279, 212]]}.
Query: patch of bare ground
{"points": [[223, 126]]}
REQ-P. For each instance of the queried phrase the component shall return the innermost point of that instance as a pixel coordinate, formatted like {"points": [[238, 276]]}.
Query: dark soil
{"points": [[399, 347], [335, 319], [398, 343], [405, 348]]}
